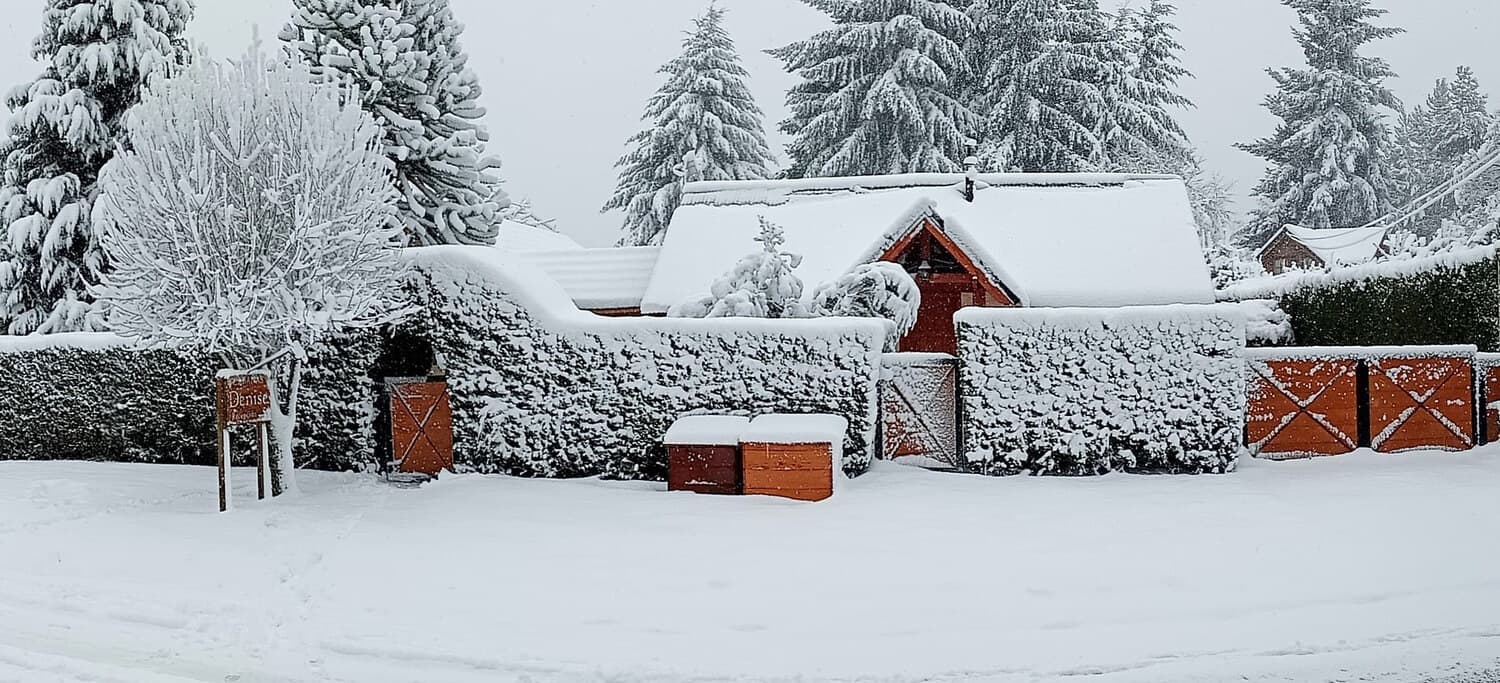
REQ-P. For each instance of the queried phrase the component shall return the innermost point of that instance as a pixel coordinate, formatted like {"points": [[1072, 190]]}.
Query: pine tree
{"points": [[64, 127], [1468, 119], [1436, 141], [704, 124], [878, 90], [1328, 165], [405, 58], [1141, 79], [1036, 85]]}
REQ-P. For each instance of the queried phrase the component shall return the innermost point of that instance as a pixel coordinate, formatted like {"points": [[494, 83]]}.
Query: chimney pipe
{"points": [[971, 168]]}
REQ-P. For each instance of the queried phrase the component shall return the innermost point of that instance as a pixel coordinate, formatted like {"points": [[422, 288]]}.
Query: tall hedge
{"points": [[1434, 301], [1078, 392], [94, 397]]}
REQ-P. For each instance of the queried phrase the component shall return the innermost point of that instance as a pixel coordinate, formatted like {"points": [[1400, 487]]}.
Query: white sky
{"points": [[567, 79]]}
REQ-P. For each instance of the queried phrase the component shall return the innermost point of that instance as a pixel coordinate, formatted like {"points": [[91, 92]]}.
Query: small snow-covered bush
{"points": [[761, 285], [874, 290], [1266, 324], [1091, 391], [543, 389]]}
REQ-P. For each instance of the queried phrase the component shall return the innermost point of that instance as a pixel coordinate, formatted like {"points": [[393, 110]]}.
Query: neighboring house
{"points": [[1036, 240], [1297, 248]]}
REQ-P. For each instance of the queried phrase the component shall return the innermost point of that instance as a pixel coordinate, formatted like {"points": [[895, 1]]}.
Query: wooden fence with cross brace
{"points": [[1309, 402]]}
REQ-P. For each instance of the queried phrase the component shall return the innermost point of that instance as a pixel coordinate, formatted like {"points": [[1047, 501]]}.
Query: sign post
{"points": [[243, 399]]}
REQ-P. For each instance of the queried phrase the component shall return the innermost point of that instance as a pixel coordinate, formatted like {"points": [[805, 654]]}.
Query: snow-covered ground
{"points": [[1360, 569]]}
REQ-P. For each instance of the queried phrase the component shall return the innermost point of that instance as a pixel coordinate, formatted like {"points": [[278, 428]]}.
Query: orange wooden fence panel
{"points": [[1421, 403], [1303, 407]]}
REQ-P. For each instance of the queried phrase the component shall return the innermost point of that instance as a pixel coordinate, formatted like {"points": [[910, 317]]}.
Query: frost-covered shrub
{"points": [[874, 290], [96, 397], [1084, 392], [542, 389], [251, 218], [1266, 324], [761, 285]]}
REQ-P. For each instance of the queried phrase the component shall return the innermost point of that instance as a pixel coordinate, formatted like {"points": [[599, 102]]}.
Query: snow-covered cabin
{"points": [[1298, 248], [1038, 240]]}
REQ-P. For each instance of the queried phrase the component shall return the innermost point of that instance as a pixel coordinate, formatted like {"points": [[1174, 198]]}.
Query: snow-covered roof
{"points": [[600, 279], [518, 238], [1339, 246], [1053, 239]]}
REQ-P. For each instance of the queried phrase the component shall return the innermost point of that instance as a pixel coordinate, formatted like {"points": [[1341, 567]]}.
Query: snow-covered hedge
{"points": [[95, 397], [92, 397], [1450, 298], [1091, 391], [543, 389]]}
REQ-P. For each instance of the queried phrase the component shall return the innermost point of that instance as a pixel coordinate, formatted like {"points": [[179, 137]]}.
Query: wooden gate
{"points": [[421, 426], [1487, 369], [919, 410], [1421, 403], [1303, 407]]}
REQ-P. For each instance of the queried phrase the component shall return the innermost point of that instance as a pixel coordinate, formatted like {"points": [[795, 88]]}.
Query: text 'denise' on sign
{"points": [[244, 399]]}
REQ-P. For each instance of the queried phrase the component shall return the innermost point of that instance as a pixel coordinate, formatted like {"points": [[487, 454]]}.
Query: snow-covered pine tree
{"points": [[1141, 70], [250, 220], [1467, 122], [760, 285], [405, 58], [1036, 85], [703, 124], [64, 127], [1328, 165], [879, 90]]}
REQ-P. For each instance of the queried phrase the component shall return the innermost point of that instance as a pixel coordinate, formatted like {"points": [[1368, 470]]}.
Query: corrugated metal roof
{"points": [[601, 278]]}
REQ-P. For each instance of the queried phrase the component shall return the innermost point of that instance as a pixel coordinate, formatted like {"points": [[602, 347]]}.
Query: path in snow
{"points": [[1358, 569]]}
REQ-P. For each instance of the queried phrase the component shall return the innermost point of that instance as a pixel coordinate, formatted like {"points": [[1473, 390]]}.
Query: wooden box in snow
{"points": [[793, 456], [703, 454]]}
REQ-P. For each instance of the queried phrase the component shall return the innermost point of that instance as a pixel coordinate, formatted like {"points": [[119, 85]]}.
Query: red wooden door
{"points": [[421, 428], [934, 332]]}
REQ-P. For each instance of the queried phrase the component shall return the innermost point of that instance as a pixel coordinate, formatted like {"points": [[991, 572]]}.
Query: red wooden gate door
{"points": [[1420, 403], [421, 427], [1301, 408]]}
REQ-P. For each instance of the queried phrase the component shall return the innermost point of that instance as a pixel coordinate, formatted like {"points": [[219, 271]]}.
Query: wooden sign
{"points": [[244, 399]]}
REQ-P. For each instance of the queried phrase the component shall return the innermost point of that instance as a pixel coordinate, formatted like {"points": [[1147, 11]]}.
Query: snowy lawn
{"points": [[1365, 568]]}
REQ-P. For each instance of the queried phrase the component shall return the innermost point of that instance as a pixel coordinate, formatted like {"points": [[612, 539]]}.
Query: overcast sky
{"points": [[567, 79]]}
